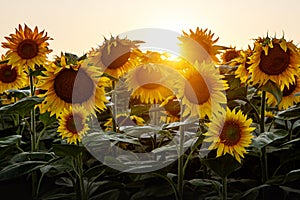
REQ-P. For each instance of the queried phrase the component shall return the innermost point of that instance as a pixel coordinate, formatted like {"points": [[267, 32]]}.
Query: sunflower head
{"points": [[201, 89], [27, 48], [229, 54], [199, 46], [230, 132], [69, 81], [243, 63], [11, 77], [73, 124], [115, 56], [274, 59], [152, 80], [171, 112]]}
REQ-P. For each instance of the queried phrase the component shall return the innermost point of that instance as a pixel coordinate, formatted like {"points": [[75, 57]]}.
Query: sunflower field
{"points": [[122, 122]]}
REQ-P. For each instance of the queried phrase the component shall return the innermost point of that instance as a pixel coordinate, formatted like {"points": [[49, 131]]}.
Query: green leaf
{"points": [[18, 169], [232, 81], [293, 175], [267, 138], [294, 141], [96, 138], [159, 190], [95, 171], [27, 156], [223, 165], [46, 119], [291, 113], [251, 194], [23, 106], [204, 183], [237, 93], [8, 121], [19, 93], [108, 195], [59, 166], [67, 150], [9, 140], [272, 88]]}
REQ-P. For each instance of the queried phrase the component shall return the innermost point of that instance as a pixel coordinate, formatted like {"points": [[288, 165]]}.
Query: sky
{"points": [[76, 26]]}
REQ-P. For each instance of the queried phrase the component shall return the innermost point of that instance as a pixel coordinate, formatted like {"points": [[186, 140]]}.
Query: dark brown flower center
{"points": [[28, 49], [196, 90], [230, 134], [73, 86], [287, 91], [75, 123], [117, 56], [276, 62], [229, 55], [173, 107], [8, 74]]}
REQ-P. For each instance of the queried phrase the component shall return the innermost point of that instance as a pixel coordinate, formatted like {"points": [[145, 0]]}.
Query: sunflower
{"points": [[229, 54], [124, 120], [68, 81], [289, 97], [11, 77], [200, 46], [152, 80], [242, 71], [201, 89], [276, 60], [230, 132], [27, 48], [115, 56], [73, 124], [171, 111]]}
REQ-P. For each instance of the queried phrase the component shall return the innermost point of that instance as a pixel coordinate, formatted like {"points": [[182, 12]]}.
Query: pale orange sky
{"points": [[77, 26]]}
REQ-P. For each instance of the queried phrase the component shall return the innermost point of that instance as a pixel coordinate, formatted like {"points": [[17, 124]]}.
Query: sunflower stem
{"points": [[180, 159], [79, 183], [263, 159], [224, 188], [80, 172], [114, 107], [32, 116], [33, 134]]}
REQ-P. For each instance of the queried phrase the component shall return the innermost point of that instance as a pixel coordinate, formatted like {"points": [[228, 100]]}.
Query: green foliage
{"points": [[223, 165], [21, 107]]}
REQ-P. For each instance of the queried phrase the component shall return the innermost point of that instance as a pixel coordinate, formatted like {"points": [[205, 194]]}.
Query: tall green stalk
{"points": [[33, 135], [34, 147], [224, 188], [263, 157], [79, 187], [114, 106], [80, 177], [180, 159]]}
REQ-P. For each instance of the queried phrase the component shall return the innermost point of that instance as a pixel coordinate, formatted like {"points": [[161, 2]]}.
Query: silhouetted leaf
{"points": [[18, 169], [272, 88], [291, 113], [27, 156], [223, 165], [23, 106], [267, 138], [46, 119], [67, 149], [9, 140]]}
